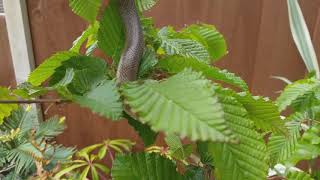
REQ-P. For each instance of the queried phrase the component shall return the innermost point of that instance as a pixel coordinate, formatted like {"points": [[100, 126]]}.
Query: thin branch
{"points": [[33, 101]]}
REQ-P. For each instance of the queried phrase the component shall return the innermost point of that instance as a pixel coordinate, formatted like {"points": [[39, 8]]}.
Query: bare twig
{"points": [[33, 101]]}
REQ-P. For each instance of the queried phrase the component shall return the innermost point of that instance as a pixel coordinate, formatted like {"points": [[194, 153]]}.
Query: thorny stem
{"points": [[33, 101]]}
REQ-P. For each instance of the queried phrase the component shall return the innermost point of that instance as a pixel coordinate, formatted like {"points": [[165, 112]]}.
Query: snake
{"points": [[134, 42]]}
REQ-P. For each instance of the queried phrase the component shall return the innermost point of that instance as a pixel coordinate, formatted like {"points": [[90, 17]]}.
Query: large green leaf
{"points": [[183, 104], [144, 166], [6, 109], [175, 64], [209, 37], [103, 100], [263, 112], [295, 90], [47, 68], [246, 160], [144, 5], [87, 9], [88, 73], [302, 37], [111, 37], [147, 135]]}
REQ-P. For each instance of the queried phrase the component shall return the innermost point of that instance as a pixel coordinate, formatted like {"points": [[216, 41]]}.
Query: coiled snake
{"points": [[134, 46]]}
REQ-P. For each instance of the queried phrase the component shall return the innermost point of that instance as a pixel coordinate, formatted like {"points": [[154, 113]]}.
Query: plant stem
{"points": [[33, 101], [111, 156]]}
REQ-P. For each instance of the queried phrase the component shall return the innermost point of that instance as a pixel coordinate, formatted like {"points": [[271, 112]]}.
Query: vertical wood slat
{"points": [[7, 77], [257, 32]]}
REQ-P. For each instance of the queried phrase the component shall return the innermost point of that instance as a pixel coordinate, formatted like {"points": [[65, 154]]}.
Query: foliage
{"points": [[227, 132], [27, 147], [87, 161]]}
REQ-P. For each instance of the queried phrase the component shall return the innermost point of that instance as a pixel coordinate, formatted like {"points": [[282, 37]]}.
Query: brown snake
{"points": [[134, 47]]}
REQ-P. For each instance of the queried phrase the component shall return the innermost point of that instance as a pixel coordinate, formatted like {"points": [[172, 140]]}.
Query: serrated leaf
{"points": [[6, 109], [47, 68], [263, 112], [282, 147], [298, 175], [173, 45], [103, 100], [88, 73], [144, 5], [209, 37], [148, 61], [175, 64], [143, 166], [183, 104], [301, 37], [87, 9], [249, 158], [294, 91], [111, 36]]}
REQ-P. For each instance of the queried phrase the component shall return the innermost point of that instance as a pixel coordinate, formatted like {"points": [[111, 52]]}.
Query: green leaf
{"points": [[87, 9], [298, 175], [263, 112], [6, 109], [67, 170], [183, 104], [175, 64], [94, 173], [184, 47], [47, 68], [147, 135], [301, 37], [294, 91], [88, 73], [177, 149], [195, 173], [246, 160], [88, 34], [282, 147], [143, 166], [209, 37], [144, 5], [103, 100], [67, 79], [103, 168], [148, 61], [84, 173], [111, 37], [308, 146]]}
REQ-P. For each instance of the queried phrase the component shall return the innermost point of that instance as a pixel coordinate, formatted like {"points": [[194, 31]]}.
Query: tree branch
{"points": [[33, 101]]}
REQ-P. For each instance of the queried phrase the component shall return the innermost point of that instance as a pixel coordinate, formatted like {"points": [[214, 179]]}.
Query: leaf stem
{"points": [[33, 101]]}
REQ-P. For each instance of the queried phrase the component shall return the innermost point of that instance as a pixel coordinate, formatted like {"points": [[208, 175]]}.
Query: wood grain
{"points": [[7, 77], [257, 32]]}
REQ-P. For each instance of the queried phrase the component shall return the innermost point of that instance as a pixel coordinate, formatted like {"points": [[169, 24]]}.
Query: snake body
{"points": [[134, 45]]}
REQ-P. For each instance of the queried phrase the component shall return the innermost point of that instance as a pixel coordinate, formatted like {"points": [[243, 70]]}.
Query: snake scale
{"points": [[134, 45]]}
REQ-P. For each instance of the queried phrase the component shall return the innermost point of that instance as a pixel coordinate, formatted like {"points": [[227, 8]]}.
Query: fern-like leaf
{"points": [[298, 175], [175, 64], [197, 114], [144, 166]]}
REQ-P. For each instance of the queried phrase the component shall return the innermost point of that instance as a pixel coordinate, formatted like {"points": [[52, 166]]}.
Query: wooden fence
{"points": [[257, 32]]}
